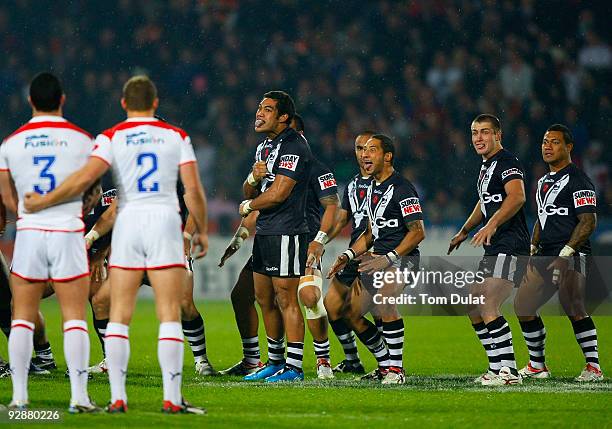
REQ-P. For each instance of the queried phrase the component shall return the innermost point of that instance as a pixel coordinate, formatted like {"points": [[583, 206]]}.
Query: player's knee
{"points": [[100, 303], [188, 309], [309, 296]]}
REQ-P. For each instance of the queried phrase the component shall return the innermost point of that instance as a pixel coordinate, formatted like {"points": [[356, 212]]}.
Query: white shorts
{"points": [[147, 239], [49, 255]]}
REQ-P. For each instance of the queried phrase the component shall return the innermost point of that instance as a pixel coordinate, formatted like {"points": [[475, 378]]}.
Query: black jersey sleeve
{"points": [[345, 203], [293, 159], [323, 180], [583, 195], [409, 204], [509, 169]]}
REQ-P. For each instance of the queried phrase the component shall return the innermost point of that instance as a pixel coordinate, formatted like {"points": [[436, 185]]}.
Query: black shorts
{"points": [[504, 266], [280, 255], [249, 264], [348, 275], [577, 262]]}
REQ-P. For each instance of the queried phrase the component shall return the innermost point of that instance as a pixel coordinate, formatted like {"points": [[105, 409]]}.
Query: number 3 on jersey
{"points": [[46, 162], [147, 160]]}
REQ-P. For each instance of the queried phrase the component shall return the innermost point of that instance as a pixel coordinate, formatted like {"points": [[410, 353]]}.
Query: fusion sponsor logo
{"points": [[43, 140], [140, 138], [108, 197], [327, 181], [511, 172], [585, 197], [410, 206], [289, 162]]}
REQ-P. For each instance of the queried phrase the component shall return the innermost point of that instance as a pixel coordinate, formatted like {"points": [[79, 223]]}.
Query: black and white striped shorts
{"points": [[504, 266], [577, 262], [280, 255]]}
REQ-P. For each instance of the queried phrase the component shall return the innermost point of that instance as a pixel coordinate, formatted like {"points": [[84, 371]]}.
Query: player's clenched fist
{"points": [[259, 170], [33, 202]]}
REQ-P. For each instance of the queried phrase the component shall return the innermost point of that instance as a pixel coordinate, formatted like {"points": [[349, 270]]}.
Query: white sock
{"points": [[76, 351], [20, 347], [170, 352], [117, 344]]}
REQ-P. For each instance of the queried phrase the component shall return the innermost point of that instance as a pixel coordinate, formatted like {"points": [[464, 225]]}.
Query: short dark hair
{"points": [[367, 133], [46, 92], [492, 119], [139, 93], [386, 143], [299, 123], [284, 104], [568, 137]]}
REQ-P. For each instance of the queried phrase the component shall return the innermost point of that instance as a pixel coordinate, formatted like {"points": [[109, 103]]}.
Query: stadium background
{"points": [[418, 70]]}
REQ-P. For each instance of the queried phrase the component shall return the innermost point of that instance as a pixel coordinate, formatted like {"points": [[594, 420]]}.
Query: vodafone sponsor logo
{"points": [[410, 206], [511, 172], [584, 198], [327, 181], [289, 162]]}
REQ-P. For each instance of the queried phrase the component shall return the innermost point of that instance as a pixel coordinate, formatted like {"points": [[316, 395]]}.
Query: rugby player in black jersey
{"points": [[281, 240], [505, 239], [395, 229], [560, 244]]}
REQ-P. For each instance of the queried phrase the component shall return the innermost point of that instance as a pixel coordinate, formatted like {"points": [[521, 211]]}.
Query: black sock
{"points": [[347, 340], [487, 343], [502, 339], [586, 335], [100, 327], [195, 334], [535, 338], [372, 339]]}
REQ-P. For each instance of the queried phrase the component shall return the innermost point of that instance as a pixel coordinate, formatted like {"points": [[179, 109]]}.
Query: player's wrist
{"points": [[567, 251], [349, 253], [392, 256], [251, 180], [92, 235], [321, 238], [187, 236]]}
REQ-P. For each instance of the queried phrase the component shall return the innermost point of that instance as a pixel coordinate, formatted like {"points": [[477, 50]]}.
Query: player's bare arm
{"points": [[250, 187], [277, 193], [415, 234], [472, 222], [73, 186], [515, 198], [535, 237], [342, 219], [195, 199], [315, 248], [102, 225], [8, 191], [246, 229], [359, 247]]}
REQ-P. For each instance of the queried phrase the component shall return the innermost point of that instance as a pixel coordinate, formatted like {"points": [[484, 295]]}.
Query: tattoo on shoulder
{"points": [[415, 225], [329, 200]]}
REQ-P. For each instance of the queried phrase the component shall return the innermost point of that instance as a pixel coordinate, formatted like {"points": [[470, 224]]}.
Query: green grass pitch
{"points": [[442, 355]]}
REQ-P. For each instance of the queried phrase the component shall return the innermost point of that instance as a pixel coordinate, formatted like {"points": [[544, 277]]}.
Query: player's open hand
{"points": [[559, 269], [456, 241], [338, 265], [199, 245], [484, 235], [259, 170], [377, 263], [315, 252], [33, 202]]}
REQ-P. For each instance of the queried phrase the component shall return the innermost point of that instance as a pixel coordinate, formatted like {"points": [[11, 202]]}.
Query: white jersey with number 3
{"points": [[145, 154], [40, 155]]}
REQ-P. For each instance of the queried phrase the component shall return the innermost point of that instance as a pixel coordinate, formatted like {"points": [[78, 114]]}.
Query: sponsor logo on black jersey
{"points": [[289, 162], [585, 197], [410, 206], [327, 181], [108, 197], [381, 222], [510, 172], [488, 198], [551, 209]]}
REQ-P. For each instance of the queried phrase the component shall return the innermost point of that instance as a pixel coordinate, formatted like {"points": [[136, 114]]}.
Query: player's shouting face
{"points": [[373, 157], [484, 138], [267, 119], [554, 148]]}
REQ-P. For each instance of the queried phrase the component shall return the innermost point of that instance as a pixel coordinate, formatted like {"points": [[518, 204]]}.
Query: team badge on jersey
{"points": [[289, 162], [585, 197], [410, 206], [327, 181]]}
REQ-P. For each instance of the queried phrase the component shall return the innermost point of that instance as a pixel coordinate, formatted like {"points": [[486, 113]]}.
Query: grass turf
{"points": [[442, 356]]}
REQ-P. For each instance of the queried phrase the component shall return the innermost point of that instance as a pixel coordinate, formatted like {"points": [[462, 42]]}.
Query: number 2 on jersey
{"points": [[150, 160], [46, 162]]}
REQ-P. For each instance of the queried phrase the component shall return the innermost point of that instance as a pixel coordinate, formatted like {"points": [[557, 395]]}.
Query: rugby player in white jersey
{"points": [[49, 244], [147, 156]]}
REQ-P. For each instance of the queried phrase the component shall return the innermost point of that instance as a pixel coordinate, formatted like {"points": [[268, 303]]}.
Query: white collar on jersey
{"points": [[141, 119], [45, 118]]}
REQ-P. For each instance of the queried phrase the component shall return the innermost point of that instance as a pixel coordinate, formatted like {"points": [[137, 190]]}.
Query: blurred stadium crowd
{"points": [[418, 70]]}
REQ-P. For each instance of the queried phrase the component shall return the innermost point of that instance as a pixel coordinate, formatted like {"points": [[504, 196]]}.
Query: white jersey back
{"points": [[40, 155], [145, 155]]}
